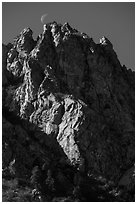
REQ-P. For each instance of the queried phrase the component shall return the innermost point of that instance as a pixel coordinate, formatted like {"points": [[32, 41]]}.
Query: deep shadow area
{"points": [[50, 174]]}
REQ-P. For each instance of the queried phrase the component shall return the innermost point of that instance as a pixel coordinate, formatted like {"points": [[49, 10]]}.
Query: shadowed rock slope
{"points": [[69, 103]]}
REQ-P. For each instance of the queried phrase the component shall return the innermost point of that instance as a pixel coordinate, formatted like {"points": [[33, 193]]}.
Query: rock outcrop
{"points": [[67, 100]]}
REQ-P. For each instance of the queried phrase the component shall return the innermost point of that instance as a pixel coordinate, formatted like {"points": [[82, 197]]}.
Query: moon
{"points": [[43, 17]]}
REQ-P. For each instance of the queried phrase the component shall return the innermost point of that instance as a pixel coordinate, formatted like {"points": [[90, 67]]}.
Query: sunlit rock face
{"points": [[73, 97]]}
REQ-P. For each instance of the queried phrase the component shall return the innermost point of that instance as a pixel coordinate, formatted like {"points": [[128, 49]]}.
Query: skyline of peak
{"points": [[116, 21]]}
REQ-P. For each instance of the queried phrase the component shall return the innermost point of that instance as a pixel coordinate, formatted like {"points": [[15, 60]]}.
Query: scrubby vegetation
{"points": [[52, 185]]}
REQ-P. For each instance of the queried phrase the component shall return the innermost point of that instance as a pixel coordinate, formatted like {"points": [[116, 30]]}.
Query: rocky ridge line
{"points": [[75, 101]]}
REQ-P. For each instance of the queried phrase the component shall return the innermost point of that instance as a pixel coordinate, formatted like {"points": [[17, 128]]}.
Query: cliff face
{"points": [[67, 100]]}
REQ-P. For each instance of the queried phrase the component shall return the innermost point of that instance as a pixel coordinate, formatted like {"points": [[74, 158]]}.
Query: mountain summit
{"points": [[68, 104]]}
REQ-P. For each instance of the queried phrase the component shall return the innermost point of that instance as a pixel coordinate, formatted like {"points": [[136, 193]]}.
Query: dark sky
{"points": [[115, 20]]}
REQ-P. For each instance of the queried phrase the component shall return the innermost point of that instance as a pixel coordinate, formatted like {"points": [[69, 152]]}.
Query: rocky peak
{"points": [[26, 33], [24, 42], [67, 28], [74, 98], [105, 42]]}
